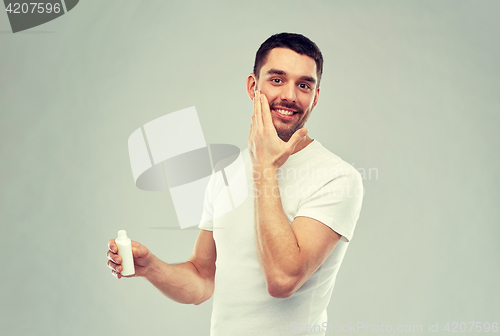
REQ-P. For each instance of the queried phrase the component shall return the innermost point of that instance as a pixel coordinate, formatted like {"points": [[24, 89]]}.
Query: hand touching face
{"points": [[289, 81], [266, 148]]}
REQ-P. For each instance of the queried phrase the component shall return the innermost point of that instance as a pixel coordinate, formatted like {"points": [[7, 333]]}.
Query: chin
{"points": [[285, 133]]}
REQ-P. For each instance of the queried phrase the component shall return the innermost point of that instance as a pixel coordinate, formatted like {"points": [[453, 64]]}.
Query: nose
{"points": [[288, 93]]}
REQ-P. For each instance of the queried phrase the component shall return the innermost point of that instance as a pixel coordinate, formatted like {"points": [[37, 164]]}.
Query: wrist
{"points": [[152, 268], [263, 172]]}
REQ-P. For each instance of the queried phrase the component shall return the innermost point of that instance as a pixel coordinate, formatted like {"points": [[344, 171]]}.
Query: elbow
{"points": [[281, 288], [197, 303], [206, 293], [201, 300]]}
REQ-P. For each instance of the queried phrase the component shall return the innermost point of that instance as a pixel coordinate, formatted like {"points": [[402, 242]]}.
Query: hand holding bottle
{"points": [[141, 256]]}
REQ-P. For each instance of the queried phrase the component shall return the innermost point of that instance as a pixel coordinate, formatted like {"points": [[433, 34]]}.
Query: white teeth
{"points": [[285, 112]]}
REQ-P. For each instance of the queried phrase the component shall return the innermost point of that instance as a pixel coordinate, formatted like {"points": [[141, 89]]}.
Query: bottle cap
{"points": [[122, 234]]}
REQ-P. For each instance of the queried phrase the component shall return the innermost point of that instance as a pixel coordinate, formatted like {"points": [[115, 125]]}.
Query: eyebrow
{"points": [[283, 73]]}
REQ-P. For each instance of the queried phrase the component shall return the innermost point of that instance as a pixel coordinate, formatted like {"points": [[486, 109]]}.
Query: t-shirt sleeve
{"points": [[336, 204], [206, 222]]}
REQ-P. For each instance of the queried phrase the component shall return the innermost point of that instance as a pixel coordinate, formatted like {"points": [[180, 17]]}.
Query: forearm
{"points": [[181, 282], [277, 248]]}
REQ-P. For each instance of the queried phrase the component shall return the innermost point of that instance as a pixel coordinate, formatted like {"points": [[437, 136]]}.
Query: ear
{"points": [[316, 96], [251, 85]]}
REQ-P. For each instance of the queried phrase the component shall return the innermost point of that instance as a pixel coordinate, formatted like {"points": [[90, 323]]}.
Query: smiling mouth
{"points": [[285, 112]]}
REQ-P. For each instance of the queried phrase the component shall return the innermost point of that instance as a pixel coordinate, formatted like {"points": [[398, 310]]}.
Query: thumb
{"points": [[138, 250], [297, 137], [135, 252]]}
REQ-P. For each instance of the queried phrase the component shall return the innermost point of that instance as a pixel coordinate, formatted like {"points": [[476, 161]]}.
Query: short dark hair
{"points": [[296, 42]]}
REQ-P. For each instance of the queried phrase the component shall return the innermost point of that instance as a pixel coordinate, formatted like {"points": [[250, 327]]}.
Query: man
{"points": [[271, 263]]}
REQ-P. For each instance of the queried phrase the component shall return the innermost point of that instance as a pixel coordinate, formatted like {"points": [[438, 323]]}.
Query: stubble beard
{"points": [[283, 134], [287, 134]]}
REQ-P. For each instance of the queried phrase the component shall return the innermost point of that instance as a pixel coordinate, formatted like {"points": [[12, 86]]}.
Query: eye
{"points": [[304, 86], [276, 80]]}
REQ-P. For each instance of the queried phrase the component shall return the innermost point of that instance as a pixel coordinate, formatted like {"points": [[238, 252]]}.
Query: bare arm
{"points": [[288, 254], [188, 282]]}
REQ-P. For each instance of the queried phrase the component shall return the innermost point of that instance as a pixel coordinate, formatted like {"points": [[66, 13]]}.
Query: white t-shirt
{"points": [[313, 183]]}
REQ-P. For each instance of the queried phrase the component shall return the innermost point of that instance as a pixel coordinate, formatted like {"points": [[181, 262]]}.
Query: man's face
{"points": [[290, 83]]}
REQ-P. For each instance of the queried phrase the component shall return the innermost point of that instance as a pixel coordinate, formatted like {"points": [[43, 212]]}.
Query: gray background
{"points": [[410, 88]]}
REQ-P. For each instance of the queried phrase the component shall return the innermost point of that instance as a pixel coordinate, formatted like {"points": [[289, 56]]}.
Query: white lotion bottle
{"points": [[125, 252]]}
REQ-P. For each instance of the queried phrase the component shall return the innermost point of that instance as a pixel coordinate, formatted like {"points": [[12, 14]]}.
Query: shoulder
{"points": [[322, 158]]}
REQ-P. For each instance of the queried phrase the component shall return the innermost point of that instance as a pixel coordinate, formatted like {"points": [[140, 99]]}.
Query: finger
{"points": [[112, 246], [114, 257], [266, 113], [296, 138], [258, 111], [138, 250], [252, 125], [250, 135], [255, 126], [254, 113], [116, 274], [114, 267]]}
